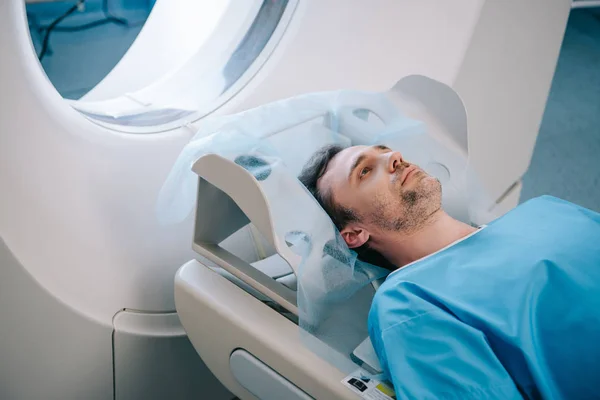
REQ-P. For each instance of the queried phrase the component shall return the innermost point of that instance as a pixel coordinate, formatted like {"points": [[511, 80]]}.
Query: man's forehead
{"points": [[344, 159], [338, 168]]}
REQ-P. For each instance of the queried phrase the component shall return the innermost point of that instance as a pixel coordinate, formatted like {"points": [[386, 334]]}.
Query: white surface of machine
{"points": [[86, 271]]}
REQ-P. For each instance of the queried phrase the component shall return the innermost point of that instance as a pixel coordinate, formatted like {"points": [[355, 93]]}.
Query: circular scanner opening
{"points": [[146, 66]]}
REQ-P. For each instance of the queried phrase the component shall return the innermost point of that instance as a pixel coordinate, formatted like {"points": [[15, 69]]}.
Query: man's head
{"points": [[371, 191]]}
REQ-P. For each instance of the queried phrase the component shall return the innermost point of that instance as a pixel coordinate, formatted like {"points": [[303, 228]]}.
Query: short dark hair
{"points": [[311, 173]]}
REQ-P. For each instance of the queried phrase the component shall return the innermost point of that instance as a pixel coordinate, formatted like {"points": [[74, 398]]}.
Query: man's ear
{"points": [[355, 236]]}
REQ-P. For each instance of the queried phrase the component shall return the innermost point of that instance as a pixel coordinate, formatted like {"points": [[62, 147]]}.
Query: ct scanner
{"points": [[87, 294]]}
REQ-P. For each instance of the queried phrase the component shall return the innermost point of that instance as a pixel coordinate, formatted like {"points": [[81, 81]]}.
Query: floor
{"points": [[77, 61], [566, 161]]}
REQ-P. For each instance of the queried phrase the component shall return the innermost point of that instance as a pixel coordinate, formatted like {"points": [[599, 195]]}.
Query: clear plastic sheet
{"points": [[272, 143]]}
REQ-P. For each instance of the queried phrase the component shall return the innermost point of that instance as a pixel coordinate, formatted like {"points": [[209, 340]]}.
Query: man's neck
{"points": [[439, 231]]}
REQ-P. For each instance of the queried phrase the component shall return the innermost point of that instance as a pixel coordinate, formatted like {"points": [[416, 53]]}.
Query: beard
{"points": [[408, 209]]}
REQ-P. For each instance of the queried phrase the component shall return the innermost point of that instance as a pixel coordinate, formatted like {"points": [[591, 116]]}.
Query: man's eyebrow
{"points": [[361, 158]]}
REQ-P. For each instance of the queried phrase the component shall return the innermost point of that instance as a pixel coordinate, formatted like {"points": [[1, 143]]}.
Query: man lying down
{"points": [[508, 310]]}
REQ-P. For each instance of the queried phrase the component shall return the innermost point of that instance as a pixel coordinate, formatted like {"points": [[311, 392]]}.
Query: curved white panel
{"points": [[237, 49], [174, 31], [504, 81], [78, 209]]}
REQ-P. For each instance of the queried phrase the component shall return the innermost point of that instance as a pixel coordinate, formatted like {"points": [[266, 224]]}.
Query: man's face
{"points": [[384, 191]]}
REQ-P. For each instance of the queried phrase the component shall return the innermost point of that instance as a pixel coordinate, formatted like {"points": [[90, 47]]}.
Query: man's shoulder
{"points": [[549, 209], [539, 203], [547, 201]]}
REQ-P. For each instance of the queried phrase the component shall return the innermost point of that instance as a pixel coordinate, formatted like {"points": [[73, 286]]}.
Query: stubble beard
{"points": [[412, 208]]}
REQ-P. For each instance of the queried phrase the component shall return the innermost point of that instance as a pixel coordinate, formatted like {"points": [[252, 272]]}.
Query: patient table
{"points": [[242, 317]]}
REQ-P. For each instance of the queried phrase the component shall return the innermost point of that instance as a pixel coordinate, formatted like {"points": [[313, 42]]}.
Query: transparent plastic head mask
{"points": [[273, 142]]}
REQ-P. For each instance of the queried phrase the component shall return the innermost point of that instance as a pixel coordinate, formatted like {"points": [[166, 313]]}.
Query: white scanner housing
{"points": [[87, 301]]}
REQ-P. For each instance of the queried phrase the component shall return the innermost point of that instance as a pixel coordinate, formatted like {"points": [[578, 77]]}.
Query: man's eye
{"points": [[364, 171]]}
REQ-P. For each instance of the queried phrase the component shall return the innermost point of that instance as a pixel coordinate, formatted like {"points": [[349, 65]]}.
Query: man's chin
{"points": [[425, 188]]}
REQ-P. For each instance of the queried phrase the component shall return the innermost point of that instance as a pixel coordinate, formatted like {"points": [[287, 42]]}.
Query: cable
{"points": [[108, 18], [57, 21]]}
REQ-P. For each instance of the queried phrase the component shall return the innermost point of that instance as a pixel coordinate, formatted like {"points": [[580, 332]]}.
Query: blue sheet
{"points": [[512, 311]]}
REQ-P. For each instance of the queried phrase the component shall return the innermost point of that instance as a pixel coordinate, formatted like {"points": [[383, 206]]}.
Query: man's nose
{"points": [[394, 161]]}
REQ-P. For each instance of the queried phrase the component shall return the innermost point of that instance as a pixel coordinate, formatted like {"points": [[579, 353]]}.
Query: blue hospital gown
{"points": [[510, 312]]}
